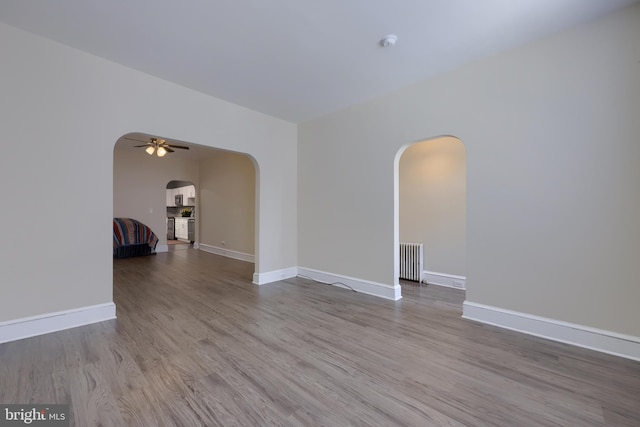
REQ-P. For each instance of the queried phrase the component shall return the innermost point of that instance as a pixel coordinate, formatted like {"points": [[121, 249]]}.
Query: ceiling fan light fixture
{"points": [[160, 147]]}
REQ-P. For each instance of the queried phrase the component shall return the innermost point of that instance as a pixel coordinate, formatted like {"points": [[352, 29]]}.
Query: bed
{"points": [[132, 238]]}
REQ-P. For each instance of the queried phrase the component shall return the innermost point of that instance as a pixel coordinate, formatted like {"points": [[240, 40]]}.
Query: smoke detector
{"points": [[388, 41]]}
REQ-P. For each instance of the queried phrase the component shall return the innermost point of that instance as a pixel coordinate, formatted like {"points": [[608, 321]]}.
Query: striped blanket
{"points": [[127, 231]]}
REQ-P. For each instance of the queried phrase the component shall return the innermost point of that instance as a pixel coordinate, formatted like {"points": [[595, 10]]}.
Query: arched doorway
{"points": [[181, 203], [430, 208], [226, 195]]}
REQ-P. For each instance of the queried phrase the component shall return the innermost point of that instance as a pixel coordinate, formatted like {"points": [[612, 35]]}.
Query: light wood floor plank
{"points": [[196, 344]]}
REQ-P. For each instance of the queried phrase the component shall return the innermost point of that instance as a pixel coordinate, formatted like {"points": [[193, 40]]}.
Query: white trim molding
{"points": [[226, 252], [359, 285], [274, 276], [162, 248], [391, 292], [443, 279], [26, 327], [626, 346]]}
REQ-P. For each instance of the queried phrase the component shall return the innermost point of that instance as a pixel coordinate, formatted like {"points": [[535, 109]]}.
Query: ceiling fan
{"points": [[159, 146]]}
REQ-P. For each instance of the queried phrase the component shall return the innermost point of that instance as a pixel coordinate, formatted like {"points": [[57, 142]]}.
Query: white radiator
{"points": [[411, 261]]}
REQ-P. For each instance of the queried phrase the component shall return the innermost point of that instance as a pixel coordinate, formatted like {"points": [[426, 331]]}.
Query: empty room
{"points": [[247, 160]]}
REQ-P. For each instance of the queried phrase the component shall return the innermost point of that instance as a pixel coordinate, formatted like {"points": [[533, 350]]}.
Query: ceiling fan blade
{"points": [[131, 139], [157, 142]]}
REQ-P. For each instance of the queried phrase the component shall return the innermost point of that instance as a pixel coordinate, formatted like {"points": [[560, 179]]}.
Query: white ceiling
{"points": [[296, 59]]}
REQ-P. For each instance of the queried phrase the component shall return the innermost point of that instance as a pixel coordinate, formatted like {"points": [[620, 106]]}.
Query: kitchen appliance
{"points": [[191, 230], [171, 228]]}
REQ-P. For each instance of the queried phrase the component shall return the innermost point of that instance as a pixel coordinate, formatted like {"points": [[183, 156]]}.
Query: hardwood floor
{"points": [[195, 343]]}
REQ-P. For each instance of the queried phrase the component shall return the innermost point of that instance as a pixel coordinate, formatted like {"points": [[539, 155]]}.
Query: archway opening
{"points": [[218, 187], [181, 203], [430, 211]]}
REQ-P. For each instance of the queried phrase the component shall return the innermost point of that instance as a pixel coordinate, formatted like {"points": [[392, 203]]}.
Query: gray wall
{"points": [[551, 131], [227, 202], [61, 122]]}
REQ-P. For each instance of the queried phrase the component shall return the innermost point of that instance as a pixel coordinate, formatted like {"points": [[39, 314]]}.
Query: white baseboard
{"points": [[366, 287], [626, 346], [226, 252], [274, 276], [26, 327], [443, 279], [162, 248]]}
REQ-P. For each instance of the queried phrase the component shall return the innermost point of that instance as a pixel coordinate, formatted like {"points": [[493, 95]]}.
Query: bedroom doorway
{"points": [[430, 209]]}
